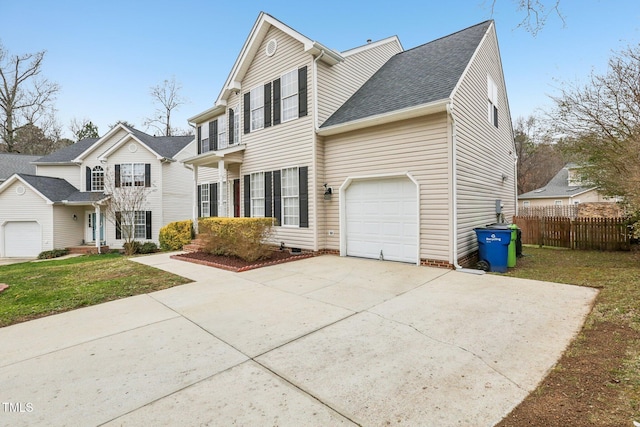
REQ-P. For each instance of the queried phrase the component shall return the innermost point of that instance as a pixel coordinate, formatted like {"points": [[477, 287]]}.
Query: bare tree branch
{"points": [[167, 98]]}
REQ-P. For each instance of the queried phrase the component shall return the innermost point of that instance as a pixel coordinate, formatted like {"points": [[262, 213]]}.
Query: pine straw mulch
{"points": [[237, 264]]}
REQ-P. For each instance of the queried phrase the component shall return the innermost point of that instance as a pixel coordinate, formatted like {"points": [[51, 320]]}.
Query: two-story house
{"points": [[62, 204], [374, 152]]}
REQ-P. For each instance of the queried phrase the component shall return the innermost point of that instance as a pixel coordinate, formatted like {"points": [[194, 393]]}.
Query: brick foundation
{"points": [[469, 260]]}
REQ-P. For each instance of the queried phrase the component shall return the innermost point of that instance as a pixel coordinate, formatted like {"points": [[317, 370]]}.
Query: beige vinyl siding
{"points": [[337, 83], [68, 232], [418, 146], [591, 196], [154, 196], [206, 174], [32, 208], [289, 144], [177, 194], [484, 152], [71, 173]]}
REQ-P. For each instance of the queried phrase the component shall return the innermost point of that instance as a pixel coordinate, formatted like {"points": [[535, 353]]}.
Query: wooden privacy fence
{"points": [[569, 211], [605, 234]]}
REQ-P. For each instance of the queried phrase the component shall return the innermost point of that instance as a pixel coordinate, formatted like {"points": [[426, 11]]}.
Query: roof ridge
{"points": [[447, 36]]}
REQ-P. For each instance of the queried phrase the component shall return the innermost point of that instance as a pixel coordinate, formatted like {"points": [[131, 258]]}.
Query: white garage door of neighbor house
{"points": [[22, 239], [382, 218]]}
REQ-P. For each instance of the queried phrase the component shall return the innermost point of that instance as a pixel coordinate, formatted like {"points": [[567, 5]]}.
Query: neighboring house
{"points": [[373, 152], [564, 189], [61, 204], [11, 163]]}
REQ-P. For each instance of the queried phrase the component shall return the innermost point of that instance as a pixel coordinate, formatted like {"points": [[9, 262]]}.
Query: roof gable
{"points": [[558, 186], [252, 44], [420, 76], [51, 189]]}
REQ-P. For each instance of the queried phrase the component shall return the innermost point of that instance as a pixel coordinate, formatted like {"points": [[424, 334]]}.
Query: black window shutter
{"points": [[117, 177], [147, 174], [148, 224], [267, 105], [213, 199], [199, 139], [230, 126], [268, 212], [303, 193], [88, 178], [495, 116], [277, 201], [199, 201], [247, 196], [302, 91], [118, 225], [213, 135], [247, 112], [276, 102]]}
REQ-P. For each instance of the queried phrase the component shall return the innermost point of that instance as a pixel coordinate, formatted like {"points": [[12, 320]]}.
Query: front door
{"points": [[90, 235]]}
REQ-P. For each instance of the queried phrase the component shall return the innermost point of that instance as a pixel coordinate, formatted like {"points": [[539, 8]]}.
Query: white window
{"points": [[290, 197], [557, 202], [205, 203], [204, 145], [289, 95], [222, 210], [526, 203], [97, 179], [134, 224], [222, 132], [236, 125], [257, 108], [492, 103], [257, 195], [132, 174]]}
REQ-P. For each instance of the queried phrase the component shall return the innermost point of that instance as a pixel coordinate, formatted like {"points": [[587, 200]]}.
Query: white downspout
{"points": [[314, 154], [454, 195]]}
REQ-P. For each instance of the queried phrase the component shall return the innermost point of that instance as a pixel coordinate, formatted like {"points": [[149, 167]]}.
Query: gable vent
{"points": [[272, 45]]}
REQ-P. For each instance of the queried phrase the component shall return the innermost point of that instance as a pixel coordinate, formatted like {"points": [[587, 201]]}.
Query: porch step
{"points": [[86, 249], [196, 244]]}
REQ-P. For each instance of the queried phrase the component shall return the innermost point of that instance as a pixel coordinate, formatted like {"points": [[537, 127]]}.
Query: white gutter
{"points": [[454, 196]]}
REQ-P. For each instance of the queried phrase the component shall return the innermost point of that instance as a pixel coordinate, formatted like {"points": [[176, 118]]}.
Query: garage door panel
{"points": [[381, 215], [22, 239]]}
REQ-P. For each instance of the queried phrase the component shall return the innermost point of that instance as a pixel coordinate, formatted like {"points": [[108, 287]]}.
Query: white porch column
{"points": [[98, 227], [222, 178], [195, 199]]}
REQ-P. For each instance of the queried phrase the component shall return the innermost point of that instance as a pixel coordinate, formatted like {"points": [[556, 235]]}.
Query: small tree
{"points": [[124, 207], [84, 128]]}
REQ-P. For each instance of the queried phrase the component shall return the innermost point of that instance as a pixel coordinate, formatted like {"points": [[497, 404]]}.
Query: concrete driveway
{"points": [[323, 341]]}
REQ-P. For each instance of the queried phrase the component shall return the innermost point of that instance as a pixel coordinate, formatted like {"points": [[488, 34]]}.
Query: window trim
{"points": [[236, 125], [97, 177], [253, 109], [135, 178], [289, 197], [204, 185], [139, 223], [492, 101], [257, 194], [292, 95], [223, 142]]}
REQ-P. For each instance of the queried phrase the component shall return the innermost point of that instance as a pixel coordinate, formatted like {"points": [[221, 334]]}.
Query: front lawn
{"points": [[597, 380], [38, 289]]}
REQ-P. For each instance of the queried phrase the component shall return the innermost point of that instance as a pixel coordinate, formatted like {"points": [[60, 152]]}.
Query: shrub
{"points": [[148, 248], [175, 235], [242, 237], [132, 247], [55, 253]]}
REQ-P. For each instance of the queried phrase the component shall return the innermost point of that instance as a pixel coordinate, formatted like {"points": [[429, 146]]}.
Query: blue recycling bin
{"points": [[493, 248]]}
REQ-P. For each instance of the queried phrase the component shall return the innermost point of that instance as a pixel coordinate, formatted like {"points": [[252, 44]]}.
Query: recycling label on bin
{"points": [[493, 238]]}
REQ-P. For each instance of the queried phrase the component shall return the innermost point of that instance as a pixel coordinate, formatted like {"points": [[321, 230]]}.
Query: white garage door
{"points": [[22, 239], [382, 219]]}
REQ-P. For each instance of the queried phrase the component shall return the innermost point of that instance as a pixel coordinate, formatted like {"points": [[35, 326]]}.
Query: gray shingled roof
{"points": [[11, 163], [558, 186], [68, 153], [58, 189], [166, 146], [418, 76]]}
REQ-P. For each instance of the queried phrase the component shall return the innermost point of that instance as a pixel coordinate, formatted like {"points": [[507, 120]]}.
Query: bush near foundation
{"points": [[244, 238], [175, 235]]}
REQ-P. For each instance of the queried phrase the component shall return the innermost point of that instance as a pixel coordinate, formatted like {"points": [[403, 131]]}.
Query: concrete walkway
{"points": [[323, 341]]}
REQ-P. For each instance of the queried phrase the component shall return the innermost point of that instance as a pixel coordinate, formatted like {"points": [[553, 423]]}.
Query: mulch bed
{"points": [[238, 264]]}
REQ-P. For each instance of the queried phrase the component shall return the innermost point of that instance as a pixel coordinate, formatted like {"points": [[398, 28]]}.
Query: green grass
{"points": [[38, 289], [617, 276]]}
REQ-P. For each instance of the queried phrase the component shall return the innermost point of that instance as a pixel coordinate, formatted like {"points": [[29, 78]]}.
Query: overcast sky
{"points": [[107, 54]]}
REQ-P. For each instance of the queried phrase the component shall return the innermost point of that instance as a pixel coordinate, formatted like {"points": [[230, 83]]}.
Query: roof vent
{"points": [[272, 45], [368, 40]]}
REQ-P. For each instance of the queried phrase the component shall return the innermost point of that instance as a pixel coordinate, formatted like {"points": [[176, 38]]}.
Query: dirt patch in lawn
{"points": [[237, 264], [584, 389]]}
